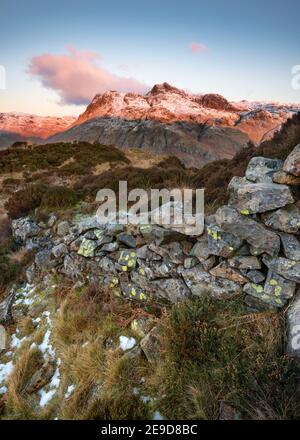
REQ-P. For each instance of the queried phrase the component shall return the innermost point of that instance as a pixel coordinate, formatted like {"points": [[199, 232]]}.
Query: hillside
{"points": [[144, 322]]}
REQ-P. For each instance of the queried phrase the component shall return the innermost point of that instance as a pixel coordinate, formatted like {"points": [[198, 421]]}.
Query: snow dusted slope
{"points": [[168, 104], [17, 126]]}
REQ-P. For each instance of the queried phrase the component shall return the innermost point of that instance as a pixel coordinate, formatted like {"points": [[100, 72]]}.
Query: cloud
{"points": [[197, 47], [78, 76]]}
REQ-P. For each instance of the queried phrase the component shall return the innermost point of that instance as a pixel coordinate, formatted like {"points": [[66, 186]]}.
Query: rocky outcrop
{"points": [[194, 144]]}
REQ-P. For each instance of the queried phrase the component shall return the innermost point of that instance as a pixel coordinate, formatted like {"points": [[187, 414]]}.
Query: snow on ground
{"points": [[126, 343], [69, 391], [48, 392]]}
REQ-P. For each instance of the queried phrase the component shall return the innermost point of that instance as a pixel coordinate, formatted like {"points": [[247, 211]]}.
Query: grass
{"points": [[214, 351]]}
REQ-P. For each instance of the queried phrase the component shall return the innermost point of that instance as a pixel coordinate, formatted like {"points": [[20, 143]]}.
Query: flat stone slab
{"points": [[248, 229], [250, 198]]}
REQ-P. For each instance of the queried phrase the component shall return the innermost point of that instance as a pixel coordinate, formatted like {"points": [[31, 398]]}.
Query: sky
{"points": [[57, 55]]}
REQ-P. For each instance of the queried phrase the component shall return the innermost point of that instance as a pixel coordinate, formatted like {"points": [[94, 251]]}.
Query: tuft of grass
{"points": [[19, 404], [214, 351]]}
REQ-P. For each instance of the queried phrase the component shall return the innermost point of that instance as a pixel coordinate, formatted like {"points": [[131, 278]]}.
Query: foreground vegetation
{"points": [[211, 353]]}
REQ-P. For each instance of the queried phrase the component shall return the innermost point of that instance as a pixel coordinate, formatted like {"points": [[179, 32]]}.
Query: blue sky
{"points": [[250, 48]]}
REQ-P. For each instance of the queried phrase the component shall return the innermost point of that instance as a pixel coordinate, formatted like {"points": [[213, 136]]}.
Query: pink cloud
{"points": [[78, 76], [197, 47]]}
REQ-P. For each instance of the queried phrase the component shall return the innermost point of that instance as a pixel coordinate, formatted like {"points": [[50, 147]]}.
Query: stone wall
{"points": [[249, 247]]}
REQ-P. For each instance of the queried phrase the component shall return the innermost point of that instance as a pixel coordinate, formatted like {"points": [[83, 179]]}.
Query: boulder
{"points": [[289, 269], [293, 315], [249, 198], [24, 228], [291, 246], [284, 219], [261, 169], [292, 162], [248, 229], [209, 263], [221, 243]]}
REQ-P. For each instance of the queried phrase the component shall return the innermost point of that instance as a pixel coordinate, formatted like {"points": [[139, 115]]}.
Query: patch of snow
{"points": [[126, 343], [69, 391], [16, 342], [3, 390], [157, 416], [5, 370]]}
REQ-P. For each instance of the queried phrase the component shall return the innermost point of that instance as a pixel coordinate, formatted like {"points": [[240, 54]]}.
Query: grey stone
{"points": [[170, 289], [6, 308], [87, 248], [289, 269], [209, 263], [285, 219], [201, 282], [200, 249], [229, 273], [248, 229], [60, 250], [292, 162], [145, 253], [249, 198], [222, 243], [293, 347], [127, 260], [127, 239], [255, 276], [261, 169], [241, 262], [110, 247], [276, 291], [151, 345], [24, 228], [44, 260], [159, 235], [74, 266], [291, 246], [190, 262], [107, 264], [63, 228], [52, 220], [171, 252]]}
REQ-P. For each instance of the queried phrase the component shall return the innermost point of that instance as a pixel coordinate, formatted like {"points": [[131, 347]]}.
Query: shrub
{"points": [[59, 197], [24, 201]]}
